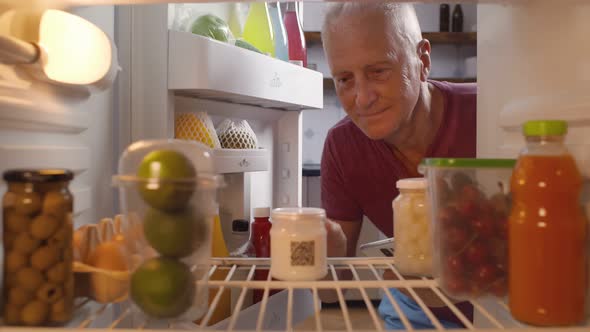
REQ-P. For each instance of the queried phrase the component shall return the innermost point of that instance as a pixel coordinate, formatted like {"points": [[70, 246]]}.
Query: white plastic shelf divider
{"points": [[205, 68], [96, 316], [241, 160]]}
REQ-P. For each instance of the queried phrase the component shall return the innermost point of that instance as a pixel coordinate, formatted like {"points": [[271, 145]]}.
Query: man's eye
{"points": [[342, 81], [381, 73]]}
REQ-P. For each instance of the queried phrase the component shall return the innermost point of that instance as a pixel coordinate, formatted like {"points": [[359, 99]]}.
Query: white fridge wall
{"points": [[533, 63], [76, 133]]}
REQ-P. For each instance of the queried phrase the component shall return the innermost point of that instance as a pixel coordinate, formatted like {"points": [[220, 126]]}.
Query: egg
{"points": [[109, 256], [111, 284]]}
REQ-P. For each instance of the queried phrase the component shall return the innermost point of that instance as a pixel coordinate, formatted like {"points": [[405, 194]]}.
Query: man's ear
{"points": [[424, 56]]}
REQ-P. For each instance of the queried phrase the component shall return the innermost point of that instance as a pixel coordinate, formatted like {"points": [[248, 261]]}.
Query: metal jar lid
{"points": [[38, 175]]}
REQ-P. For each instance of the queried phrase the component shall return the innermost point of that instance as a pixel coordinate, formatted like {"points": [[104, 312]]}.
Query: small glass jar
{"points": [[298, 244], [413, 235], [38, 287]]}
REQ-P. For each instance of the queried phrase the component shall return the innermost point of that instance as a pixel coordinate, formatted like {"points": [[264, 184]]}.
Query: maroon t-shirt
{"points": [[358, 174]]}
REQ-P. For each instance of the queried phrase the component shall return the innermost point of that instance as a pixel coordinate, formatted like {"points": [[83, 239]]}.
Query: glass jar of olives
{"points": [[38, 283]]}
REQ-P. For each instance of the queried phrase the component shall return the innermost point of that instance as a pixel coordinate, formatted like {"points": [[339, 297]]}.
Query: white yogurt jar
{"points": [[412, 231], [298, 244]]}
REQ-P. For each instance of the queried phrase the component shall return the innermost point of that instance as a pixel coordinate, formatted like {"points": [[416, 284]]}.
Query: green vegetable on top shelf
{"points": [[244, 44], [213, 27]]}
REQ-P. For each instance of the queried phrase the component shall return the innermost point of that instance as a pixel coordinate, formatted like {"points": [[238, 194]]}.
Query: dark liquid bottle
{"points": [[444, 17], [458, 19]]}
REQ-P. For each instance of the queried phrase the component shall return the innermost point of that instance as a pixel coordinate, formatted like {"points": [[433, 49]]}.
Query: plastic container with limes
{"points": [[170, 186]]}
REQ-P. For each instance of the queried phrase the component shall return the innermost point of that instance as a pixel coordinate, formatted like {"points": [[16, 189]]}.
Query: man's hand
{"points": [[336, 239]]}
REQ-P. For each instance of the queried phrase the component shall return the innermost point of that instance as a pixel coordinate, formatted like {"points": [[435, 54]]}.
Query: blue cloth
{"points": [[411, 309]]}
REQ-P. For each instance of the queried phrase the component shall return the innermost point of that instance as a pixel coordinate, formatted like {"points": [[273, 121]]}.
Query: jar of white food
{"points": [[298, 244], [413, 235]]}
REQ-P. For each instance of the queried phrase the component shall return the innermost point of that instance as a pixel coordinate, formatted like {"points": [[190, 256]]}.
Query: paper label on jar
{"points": [[302, 253]]}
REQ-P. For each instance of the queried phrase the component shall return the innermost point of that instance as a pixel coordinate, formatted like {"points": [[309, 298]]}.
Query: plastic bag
{"points": [[184, 17], [213, 27]]}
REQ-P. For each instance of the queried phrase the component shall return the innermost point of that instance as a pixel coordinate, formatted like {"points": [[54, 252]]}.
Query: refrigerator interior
{"points": [[532, 63]]}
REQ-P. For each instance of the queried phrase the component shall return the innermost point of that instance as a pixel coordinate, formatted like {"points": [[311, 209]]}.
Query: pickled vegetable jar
{"points": [[547, 231], [413, 236], [38, 281]]}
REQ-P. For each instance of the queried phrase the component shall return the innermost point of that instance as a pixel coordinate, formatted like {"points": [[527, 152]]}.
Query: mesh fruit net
{"points": [[236, 135], [196, 126]]}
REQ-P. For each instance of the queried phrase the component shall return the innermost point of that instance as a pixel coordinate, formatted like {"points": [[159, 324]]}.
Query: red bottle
{"points": [[260, 239], [260, 232], [297, 50]]}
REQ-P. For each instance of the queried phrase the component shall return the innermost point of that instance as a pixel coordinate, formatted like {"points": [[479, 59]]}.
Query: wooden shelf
{"points": [[312, 37], [329, 83], [453, 38], [456, 38]]}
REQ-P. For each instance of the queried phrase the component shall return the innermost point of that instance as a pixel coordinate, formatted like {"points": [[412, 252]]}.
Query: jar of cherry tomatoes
{"points": [[470, 206]]}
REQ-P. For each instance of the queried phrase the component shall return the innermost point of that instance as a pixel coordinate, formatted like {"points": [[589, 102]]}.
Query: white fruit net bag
{"points": [[236, 135], [196, 126]]}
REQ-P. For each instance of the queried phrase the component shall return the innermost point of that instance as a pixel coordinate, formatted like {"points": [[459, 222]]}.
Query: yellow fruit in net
{"points": [[190, 126]]}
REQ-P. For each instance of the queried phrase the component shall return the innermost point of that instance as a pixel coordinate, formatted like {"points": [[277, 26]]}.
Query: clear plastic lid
{"points": [[412, 183], [298, 214], [179, 162], [261, 212]]}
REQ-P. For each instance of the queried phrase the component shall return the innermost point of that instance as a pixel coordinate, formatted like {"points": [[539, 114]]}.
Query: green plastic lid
{"points": [[469, 162], [545, 128]]}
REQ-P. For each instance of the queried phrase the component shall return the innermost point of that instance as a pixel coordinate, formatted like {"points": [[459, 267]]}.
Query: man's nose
{"points": [[365, 94]]}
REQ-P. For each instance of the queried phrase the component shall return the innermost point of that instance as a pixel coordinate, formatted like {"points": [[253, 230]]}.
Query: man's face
{"points": [[377, 77]]}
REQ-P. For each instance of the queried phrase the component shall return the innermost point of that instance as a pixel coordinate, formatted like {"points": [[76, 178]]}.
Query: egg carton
{"points": [[116, 242]]}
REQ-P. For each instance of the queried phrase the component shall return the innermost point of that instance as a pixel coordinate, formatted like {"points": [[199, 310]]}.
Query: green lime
{"points": [[213, 27], [163, 287], [176, 234], [171, 178]]}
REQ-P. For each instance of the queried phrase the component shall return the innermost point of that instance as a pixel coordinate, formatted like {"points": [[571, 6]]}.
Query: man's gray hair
{"points": [[401, 16]]}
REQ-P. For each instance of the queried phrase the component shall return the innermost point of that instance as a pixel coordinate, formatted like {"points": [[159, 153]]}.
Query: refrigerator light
{"points": [[70, 50], [75, 51]]}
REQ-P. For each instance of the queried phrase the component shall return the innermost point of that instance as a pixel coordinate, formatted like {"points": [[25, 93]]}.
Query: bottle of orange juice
{"points": [[547, 231]]}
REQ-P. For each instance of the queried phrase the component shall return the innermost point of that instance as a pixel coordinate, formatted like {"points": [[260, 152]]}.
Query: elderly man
{"points": [[396, 117]]}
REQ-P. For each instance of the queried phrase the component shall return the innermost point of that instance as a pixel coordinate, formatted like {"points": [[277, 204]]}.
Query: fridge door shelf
{"points": [[205, 68], [241, 160], [284, 312]]}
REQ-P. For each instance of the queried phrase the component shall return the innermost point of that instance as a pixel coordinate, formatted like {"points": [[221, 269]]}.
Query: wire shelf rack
{"points": [[297, 307]]}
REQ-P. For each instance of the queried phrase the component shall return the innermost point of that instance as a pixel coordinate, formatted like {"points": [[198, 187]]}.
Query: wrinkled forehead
{"points": [[364, 33], [349, 22], [368, 26]]}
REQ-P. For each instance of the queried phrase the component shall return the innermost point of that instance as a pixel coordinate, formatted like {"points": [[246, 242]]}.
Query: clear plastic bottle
{"points": [[295, 36], [281, 46], [547, 231], [236, 19], [258, 29]]}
